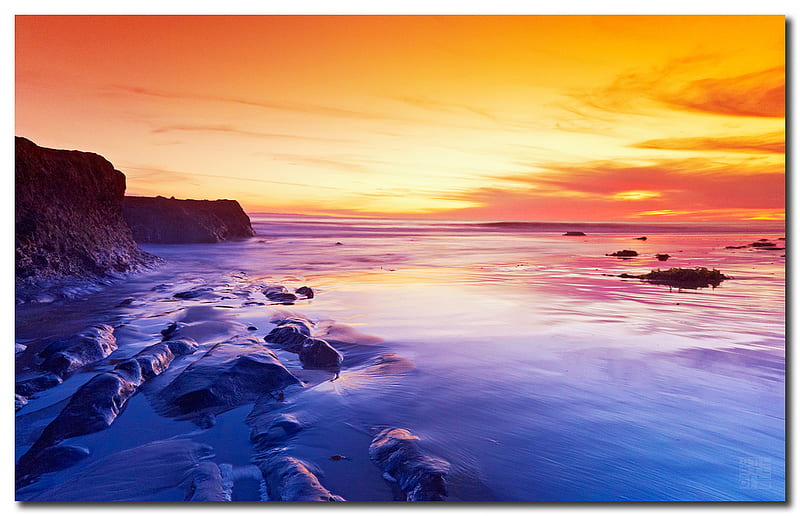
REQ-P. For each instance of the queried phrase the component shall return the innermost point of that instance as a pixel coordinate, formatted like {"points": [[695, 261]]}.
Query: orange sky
{"points": [[478, 117]]}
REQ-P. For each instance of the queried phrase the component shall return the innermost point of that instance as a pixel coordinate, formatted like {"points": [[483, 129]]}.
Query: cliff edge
{"points": [[68, 214], [158, 220]]}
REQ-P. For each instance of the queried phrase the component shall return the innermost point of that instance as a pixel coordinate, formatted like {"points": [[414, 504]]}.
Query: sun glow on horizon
{"points": [[449, 117]]}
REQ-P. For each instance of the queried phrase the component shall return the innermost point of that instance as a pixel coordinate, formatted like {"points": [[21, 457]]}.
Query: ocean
{"points": [[533, 368]]}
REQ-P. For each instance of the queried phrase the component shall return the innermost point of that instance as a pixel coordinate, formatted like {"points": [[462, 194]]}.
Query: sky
{"points": [[450, 117]]}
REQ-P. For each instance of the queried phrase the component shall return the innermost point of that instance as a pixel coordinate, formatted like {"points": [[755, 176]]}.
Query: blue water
{"points": [[539, 375]]}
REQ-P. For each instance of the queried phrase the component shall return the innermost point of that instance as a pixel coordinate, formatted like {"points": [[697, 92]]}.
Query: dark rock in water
{"points": [[172, 330], [182, 346], [291, 480], [763, 244], [194, 293], [68, 215], [781, 238], [126, 302], [290, 334], [339, 243], [92, 408], [305, 291], [159, 220], [662, 257], [625, 253], [574, 233], [266, 435], [318, 354], [640, 238], [699, 277], [19, 401], [155, 359], [252, 328], [207, 484], [232, 373], [281, 297], [421, 477], [763, 239], [41, 382], [53, 458], [735, 247], [65, 356], [134, 474]]}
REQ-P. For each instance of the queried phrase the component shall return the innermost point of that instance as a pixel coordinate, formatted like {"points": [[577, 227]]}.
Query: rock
{"points": [[207, 484], [625, 253], [41, 382], [640, 238], [154, 360], [182, 346], [288, 479], [158, 220], [125, 302], [662, 257], [763, 244], [53, 458], [237, 371], [19, 349], [285, 298], [68, 215], [305, 291], [318, 354], [699, 277], [422, 478], [252, 328], [172, 330], [136, 474], [19, 401], [274, 432], [65, 356], [290, 334], [574, 233], [194, 293], [735, 247]]}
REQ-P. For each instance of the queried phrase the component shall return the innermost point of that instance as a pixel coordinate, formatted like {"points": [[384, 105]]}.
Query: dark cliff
{"points": [[68, 214], [159, 220]]}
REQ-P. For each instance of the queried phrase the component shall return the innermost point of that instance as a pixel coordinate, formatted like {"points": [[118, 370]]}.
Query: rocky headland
{"points": [[158, 220], [68, 217]]}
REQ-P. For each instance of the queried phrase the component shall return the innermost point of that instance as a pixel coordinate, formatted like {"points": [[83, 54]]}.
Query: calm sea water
{"points": [[539, 374]]}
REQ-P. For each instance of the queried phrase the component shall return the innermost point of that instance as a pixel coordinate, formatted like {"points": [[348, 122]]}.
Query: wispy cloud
{"points": [[149, 174], [227, 129], [763, 143]]}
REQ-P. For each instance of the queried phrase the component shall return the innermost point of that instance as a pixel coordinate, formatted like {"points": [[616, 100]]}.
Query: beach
{"points": [[516, 354]]}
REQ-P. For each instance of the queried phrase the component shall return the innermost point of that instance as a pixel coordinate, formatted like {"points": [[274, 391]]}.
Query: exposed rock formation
{"points": [[158, 220], [68, 217], [421, 477], [291, 480]]}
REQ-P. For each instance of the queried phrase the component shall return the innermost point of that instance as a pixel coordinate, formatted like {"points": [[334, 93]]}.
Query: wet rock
{"points": [[252, 328], [625, 253], [54, 458], [305, 291], [574, 233], [288, 479], [699, 277], [232, 373], [41, 382], [160, 220], [207, 484], [421, 477], [281, 297], [662, 257], [194, 293], [290, 334], [65, 356], [266, 435], [19, 349], [735, 247], [763, 244], [126, 302], [172, 330], [19, 401], [318, 354], [154, 360], [136, 474], [182, 346], [640, 238]]}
